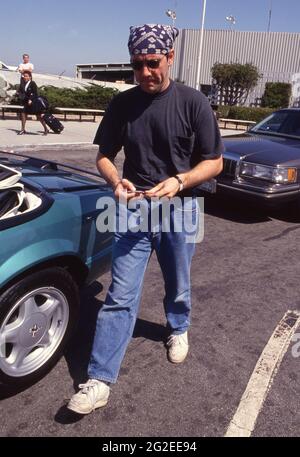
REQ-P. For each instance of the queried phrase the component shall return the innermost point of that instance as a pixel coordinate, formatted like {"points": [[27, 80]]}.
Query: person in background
{"points": [[25, 65], [29, 94], [172, 144]]}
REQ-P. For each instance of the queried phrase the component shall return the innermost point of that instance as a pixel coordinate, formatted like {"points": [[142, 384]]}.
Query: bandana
{"points": [[151, 39]]}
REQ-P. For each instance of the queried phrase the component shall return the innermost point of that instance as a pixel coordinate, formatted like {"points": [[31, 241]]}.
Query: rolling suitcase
{"points": [[39, 105], [53, 123]]}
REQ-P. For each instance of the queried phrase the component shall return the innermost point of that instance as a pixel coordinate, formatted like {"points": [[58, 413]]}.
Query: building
{"points": [[276, 54], [106, 72], [12, 76]]}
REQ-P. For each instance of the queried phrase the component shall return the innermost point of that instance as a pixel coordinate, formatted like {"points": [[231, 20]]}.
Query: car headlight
{"points": [[273, 174]]}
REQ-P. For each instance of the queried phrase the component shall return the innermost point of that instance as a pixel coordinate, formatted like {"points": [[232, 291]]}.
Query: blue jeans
{"points": [[131, 253]]}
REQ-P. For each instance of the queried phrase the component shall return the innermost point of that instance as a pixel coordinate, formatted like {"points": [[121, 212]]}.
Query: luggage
{"points": [[44, 102], [53, 123], [39, 104]]}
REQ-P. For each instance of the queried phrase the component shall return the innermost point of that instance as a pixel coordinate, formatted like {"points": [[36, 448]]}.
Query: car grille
{"points": [[229, 167]]}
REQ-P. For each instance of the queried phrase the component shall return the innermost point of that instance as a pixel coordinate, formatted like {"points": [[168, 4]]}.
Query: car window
{"points": [[291, 125], [272, 123], [282, 122]]}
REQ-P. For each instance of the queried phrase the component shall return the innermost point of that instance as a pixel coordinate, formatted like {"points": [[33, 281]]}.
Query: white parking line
{"points": [[243, 422]]}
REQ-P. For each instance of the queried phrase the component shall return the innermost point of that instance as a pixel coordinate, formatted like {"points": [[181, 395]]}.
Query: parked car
{"points": [[263, 165], [49, 247]]}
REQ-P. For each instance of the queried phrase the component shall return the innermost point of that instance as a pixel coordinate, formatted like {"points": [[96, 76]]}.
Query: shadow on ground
{"points": [[26, 134], [248, 213], [79, 350]]}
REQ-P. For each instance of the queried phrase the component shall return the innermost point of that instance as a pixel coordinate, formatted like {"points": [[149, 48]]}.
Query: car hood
{"points": [[53, 177], [269, 150], [59, 181]]}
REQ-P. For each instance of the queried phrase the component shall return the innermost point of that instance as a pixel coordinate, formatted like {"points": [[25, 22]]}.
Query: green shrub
{"points": [[276, 95], [92, 97], [244, 113], [223, 110], [234, 81], [15, 99]]}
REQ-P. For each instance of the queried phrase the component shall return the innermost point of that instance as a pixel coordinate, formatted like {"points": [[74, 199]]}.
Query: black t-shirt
{"points": [[162, 134]]}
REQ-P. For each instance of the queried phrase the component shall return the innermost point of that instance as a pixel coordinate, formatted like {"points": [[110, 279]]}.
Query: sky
{"points": [[58, 34]]}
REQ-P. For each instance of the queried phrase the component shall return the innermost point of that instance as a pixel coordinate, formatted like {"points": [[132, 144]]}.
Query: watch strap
{"points": [[180, 182]]}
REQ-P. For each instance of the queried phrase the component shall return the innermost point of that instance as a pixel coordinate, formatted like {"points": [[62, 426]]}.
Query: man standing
{"points": [[25, 65], [171, 144]]}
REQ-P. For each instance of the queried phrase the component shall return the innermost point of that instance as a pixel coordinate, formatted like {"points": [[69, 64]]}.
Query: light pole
{"points": [[232, 21], [172, 15], [270, 16], [200, 46]]}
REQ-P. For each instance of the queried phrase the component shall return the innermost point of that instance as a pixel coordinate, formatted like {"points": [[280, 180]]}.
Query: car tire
{"points": [[37, 316]]}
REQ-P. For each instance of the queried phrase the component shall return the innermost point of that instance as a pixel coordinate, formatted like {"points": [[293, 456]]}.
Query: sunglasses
{"points": [[153, 64]]}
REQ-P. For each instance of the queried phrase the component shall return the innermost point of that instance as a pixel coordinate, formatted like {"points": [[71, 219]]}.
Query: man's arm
{"points": [[110, 173], [202, 172]]}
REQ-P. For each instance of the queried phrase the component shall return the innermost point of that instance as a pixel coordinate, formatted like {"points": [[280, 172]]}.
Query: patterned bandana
{"points": [[151, 39]]}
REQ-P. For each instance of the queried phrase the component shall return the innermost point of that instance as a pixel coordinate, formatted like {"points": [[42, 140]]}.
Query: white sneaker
{"points": [[178, 347], [93, 394]]}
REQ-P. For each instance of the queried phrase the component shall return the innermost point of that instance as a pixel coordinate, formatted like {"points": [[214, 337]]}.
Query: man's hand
{"points": [[202, 172], [167, 188], [125, 189]]}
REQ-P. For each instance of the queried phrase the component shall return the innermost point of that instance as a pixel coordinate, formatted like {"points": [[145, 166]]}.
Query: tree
{"points": [[276, 95], [234, 81]]}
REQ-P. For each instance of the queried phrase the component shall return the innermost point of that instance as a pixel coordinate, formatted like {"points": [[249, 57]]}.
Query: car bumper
{"points": [[255, 195]]}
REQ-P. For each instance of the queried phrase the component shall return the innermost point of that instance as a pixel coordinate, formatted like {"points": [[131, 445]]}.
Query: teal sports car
{"points": [[49, 248]]}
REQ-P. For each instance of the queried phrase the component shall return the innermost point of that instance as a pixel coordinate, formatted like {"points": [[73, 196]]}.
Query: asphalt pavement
{"points": [[75, 134], [244, 279]]}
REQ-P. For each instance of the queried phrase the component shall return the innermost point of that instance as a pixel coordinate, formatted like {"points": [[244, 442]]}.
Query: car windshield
{"points": [[281, 123]]}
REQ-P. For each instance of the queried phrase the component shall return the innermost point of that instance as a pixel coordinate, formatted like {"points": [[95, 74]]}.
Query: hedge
{"points": [[276, 95], [98, 97], [92, 97], [244, 113]]}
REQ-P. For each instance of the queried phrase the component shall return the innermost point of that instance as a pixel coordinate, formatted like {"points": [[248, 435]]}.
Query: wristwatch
{"points": [[180, 182]]}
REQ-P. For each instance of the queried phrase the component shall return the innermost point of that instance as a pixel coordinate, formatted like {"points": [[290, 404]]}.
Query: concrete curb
{"points": [[48, 147]]}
